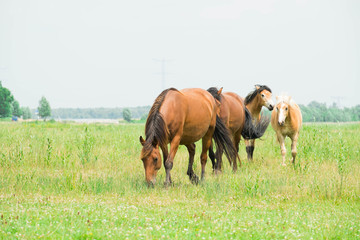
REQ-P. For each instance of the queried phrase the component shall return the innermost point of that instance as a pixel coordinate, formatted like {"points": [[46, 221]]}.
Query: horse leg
{"points": [[212, 156], [206, 142], [168, 164], [216, 159], [237, 138], [190, 171], [250, 149], [281, 140], [218, 154], [293, 147], [165, 156]]}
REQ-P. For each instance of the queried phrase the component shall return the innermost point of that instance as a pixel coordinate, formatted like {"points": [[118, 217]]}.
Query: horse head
{"points": [[265, 96], [282, 109], [151, 158]]}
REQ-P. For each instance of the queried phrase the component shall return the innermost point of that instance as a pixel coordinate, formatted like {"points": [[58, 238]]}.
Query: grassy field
{"points": [[72, 181]]}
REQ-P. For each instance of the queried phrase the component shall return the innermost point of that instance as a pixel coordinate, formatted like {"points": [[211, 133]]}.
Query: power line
{"points": [[163, 71]]}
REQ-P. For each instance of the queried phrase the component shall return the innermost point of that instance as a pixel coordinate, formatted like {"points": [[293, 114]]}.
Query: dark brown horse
{"points": [[182, 117], [254, 101], [238, 120]]}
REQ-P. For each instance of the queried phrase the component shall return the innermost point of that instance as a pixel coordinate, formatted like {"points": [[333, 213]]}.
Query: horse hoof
{"points": [[195, 180], [217, 172], [283, 164]]}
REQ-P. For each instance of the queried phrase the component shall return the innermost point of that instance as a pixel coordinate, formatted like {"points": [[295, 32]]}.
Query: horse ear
{"points": [[257, 86], [142, 141], [277, 98], [219, 92]]}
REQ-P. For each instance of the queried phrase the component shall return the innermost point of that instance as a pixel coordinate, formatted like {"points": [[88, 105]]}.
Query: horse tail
{"points": [[223, 140], [253, 131]]}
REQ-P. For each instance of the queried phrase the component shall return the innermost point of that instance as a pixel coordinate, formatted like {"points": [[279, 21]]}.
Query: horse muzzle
{"points": [[151, 182]]}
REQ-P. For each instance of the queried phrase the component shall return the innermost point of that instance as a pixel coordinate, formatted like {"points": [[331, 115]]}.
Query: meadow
{"points": [[79, 181]]}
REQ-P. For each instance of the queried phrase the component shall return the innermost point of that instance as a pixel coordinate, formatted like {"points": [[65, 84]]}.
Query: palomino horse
{"points": [[254, 101], [286, 120], [239, 122], [182, 117]]}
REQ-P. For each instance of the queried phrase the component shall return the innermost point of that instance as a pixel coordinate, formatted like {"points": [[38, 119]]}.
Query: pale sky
{"points": [[82, 53]]}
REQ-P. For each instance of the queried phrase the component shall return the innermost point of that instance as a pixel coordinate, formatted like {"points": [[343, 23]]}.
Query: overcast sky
{"points": [[101, 53]]}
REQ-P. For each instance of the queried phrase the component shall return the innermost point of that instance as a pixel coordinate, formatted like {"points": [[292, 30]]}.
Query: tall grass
{"points": [[87, 181]]}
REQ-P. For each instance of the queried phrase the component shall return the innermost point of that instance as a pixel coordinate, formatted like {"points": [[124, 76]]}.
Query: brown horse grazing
{"points": [[182, 117], [254, 101], [286, 120], [239, 122]]}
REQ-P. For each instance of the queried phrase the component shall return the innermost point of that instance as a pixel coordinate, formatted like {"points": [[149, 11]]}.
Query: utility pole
{"points": [[338, 100], [163, 72]]}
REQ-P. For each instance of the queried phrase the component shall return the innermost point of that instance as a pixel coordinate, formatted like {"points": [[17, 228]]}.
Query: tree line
{"points": [[320, 112], [104, 113], [313, 112], [10, 107]]}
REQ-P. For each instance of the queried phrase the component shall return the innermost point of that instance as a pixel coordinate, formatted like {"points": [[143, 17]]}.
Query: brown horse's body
{"points": [[238, 120], [179, 118], [286, 120], [181, 108], [232, 113]]}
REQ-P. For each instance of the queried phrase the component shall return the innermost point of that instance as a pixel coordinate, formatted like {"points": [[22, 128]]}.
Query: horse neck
{"points": [[255, 107]]}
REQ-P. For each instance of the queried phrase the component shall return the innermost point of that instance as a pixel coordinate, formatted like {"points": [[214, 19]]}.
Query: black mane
{"points": [[253, 94], [214, 92]]}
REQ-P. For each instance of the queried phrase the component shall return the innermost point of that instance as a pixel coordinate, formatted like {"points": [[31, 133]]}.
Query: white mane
{"points": [[285, 99]]}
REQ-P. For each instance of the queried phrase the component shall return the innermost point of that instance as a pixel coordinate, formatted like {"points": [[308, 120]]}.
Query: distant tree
{"points": [[26, 113], [44, 108], [355, 113], [126, 115], [319, 111], [16, 109], [6, 99], [144, 117]]}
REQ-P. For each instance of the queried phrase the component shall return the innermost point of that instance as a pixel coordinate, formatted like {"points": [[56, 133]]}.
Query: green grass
{"points": [[74, 181]]}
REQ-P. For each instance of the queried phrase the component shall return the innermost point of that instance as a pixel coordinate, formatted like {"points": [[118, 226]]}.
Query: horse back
{"points": [[189, 113]]}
